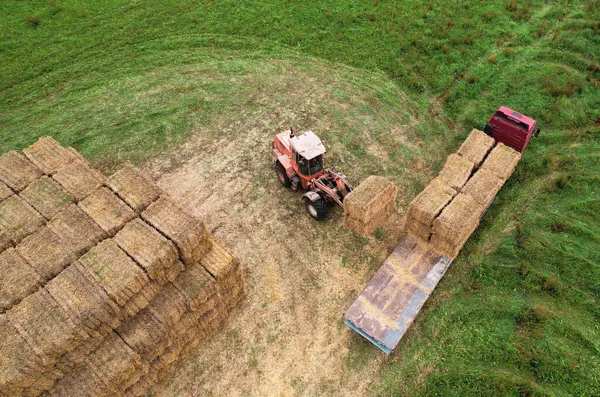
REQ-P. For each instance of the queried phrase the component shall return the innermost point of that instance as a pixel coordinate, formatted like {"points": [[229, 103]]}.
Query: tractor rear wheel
{"points": [[282, 175], [317, 209]]}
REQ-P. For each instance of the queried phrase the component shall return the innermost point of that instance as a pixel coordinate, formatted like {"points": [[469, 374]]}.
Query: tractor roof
{"points": [[308, 145]]}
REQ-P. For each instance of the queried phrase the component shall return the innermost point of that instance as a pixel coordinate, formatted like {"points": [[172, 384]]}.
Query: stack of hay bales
{"points": [[370, 204], [105, 283], [448, 210]]}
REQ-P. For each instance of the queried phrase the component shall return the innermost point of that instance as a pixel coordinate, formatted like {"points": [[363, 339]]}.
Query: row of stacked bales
{"points": [[105, 283], [370, 204], [448, 210]]}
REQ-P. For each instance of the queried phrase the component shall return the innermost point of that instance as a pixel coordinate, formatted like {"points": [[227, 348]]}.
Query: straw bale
{"points": [[173, 272], [445, 247], [77, 229], [5, 191], [46, 196], [86, 303], [46, 253], [219, 261], [188, 320], [118, 275], [476, 147], [145, 334], [5, 242], [76, 154], [429, 203], [18, 219], [16, 171], [142, 299], [169, 305], [502, 161], [19, 365], [48, 155], [418, 230], [196, 285], [116, 364], [75, 359], [107, 210], [79, 179], [42, 382], [187, 232], [370, 197], [17, 279], [483, 186], [45, 326], [456, 171], [377, 219], [80, 383], [151, 250], [137, 190], [458, 219]]}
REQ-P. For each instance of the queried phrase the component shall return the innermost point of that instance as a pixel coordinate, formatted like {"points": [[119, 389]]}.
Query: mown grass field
{"points": [[518, 313]]}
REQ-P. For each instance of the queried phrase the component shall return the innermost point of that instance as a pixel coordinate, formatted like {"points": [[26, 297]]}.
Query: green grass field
{"points": [[518, 313]]}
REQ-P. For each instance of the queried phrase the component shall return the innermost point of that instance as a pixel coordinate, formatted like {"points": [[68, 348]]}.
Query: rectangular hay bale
{"points": [[458, 219], [187, 232], [17, 279], [18, 219], [456, 171], [502, 161], [77, 229], [476, 147], [145, 334], [150, 249], [86, 303], [377, 219], [16, 171], [107, 210], [137, 190], [81, 383], [5, 242], [141, 299], [5, 191], [219, 261], [429, 203], [45, 326], [46, 253], [116, 273], [79, 179], [483, 186], [46, 196], [418, 230], [169, 305], [196, 284], [368, 198], [48, 155]]}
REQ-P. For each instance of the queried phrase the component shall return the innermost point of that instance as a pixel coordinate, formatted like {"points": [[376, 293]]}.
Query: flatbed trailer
{"points": [[389, 303]]}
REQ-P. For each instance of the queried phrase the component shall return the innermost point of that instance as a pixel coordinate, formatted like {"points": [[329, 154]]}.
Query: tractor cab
{"points": [[307, 156]]}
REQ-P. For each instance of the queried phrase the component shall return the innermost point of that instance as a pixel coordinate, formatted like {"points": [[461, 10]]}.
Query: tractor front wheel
{"points": [[282, 175], [317, 209]]}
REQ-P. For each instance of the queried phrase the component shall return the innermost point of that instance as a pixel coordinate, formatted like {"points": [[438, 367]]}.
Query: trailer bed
{"points": [[389, 303]]}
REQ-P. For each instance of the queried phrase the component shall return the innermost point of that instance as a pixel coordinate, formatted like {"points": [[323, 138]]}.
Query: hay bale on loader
{"points": [[483, 186], [151, 250], [454, 225], [187, 232], [79, 179], [46, 196], [77, 229], [502, 161], [18, 219], [133, 187], [45, 326], [17, 172], [19, 365], [370, 204], [107, 210], [424, 208], [86, 303], [48, 155], [46, 253], [145, 334], [456, 171], [17, 279], [5, 191], [116, 273], [476, 147]]}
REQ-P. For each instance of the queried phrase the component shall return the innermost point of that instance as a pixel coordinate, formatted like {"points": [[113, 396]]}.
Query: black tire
{"points": [[281, 175], [317, 209]]}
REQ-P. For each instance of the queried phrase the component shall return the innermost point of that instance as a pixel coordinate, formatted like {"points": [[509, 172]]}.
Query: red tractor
{"points": [[299, 163], [511, 128]]}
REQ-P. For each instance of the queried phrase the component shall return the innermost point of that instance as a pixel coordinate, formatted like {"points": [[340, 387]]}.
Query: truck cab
{"points": [[511, 128]]}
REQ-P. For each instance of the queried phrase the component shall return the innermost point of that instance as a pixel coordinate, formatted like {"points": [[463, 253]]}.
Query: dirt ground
{"points": [[288, 336]]}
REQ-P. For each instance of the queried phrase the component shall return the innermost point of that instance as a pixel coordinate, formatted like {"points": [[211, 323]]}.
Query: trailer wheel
{"points": [[317, 209], [282, 175]]}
